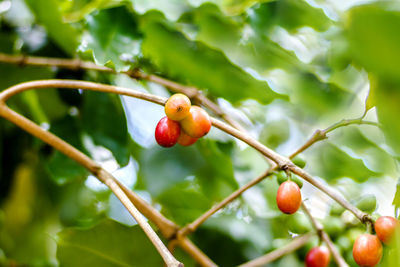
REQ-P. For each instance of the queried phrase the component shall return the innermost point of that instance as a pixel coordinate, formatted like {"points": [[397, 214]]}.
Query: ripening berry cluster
{"points": [[367, 248], [184, 123]]}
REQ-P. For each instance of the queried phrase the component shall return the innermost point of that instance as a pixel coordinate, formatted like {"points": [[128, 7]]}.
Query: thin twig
{"points": [[318, 135], [285, 164], [282, 162], [324, 236], [294, 245], [100, 173], [190, 228], [76, 64], [167, 228]]}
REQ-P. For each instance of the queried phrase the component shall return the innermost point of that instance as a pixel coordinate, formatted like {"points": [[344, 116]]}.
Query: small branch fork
{"points": [[168, 228]]}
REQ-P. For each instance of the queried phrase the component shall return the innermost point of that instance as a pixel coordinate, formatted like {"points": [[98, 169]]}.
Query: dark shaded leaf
{"points": [[63, 169], [103, 118], [48, 13], [183, 203], [107, 244], [373, 33]]}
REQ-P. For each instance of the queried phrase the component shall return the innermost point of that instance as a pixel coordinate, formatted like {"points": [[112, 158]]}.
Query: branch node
{"points": [[22, 61]]}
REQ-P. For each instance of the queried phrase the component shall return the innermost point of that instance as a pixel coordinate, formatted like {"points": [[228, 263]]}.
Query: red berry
{"points": [[385, 228], [288, 197], [185, 139], [197, 123], [318, 257], [177, 107], [367, 250], [167, 132]]}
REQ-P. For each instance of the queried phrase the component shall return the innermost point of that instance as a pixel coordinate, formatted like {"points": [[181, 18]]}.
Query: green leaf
{"points": [[216, 178], [107, 244], [333, 163], [103, 118], [396, 199], [112, 38], [160, 168], [171, 9], [275, 133], [236, 7], [374, 157], [371, 27], [78, 9], [48, 13], [386, 96], [63, 169], [230, 37], [197, 64], [314, 96], [183, 203], [366, 203], [290, 14]]}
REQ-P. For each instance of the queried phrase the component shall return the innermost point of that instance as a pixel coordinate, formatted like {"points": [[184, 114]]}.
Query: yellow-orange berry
{"points": [[177, 107]]}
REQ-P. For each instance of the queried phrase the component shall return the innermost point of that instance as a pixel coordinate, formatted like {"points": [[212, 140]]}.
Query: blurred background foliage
{"points": [[282, 68]]}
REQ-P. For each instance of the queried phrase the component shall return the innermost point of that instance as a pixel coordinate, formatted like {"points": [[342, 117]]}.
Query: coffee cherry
{"points": [[185, 139], [288, 197], [177, 107], [367, 250], [167, 132], [385, 228], [197, 123], [318, 257]]}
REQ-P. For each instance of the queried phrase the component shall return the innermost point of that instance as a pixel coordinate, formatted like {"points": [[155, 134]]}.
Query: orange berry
{"points": [[186, 140], [197, 123], [367, 250], [177, 107], [318, 257], [288, 197], [385, 228]]}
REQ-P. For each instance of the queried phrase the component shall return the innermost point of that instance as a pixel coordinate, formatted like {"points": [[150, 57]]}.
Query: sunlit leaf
{"points": [[333, 163], [375, 158], [290, 14], [198, 64], [112, 38]]}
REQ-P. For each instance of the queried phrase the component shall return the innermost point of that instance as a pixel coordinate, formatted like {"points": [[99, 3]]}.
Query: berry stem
{"points": [[294, 245], [323, 236]]}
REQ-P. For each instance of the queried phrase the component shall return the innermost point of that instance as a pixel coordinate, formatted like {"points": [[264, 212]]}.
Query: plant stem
{"points": [[285, 164], [167, 228], [281, 162], [295, 244], [324, 236], [319, 135], [100, 173], [76, 64]]}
